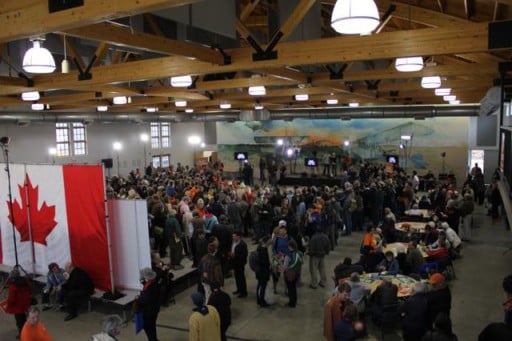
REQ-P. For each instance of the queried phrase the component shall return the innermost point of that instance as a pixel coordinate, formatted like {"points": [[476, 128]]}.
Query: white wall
{"points": [[30, 144]]}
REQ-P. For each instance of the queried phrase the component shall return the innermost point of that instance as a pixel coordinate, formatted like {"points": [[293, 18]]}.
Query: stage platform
{"points": [[309, 180]]}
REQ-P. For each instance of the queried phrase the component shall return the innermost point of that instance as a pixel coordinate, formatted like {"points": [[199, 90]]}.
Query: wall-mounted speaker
{"points": [[108, 163]]}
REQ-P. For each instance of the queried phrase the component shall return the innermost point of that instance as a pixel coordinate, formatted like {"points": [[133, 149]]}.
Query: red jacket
{"points": [[19, 297]]}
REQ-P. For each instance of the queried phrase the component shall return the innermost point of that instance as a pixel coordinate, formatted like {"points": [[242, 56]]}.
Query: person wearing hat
{"points": [[501, 331], [148, 302], [222, 302], [204, 322], [439, 298], [54, 280]]}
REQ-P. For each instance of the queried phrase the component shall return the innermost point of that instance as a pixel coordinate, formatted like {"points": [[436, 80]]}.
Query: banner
{"points": [[59, 216]]}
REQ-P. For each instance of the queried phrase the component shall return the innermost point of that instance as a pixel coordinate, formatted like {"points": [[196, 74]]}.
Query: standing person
{"points": [[263, 166], [111, 327], [222, 302], [54, 280], [501, 331], [325, 163], [19, 297], [148, 302], [239, 254], [34, 330], [262, 271], [175, 234], [439, 299], [77, 288], [466, 208], [292, 269], [334, 308], [204, 323], [442, 330], [319, 246], [210, 269]]}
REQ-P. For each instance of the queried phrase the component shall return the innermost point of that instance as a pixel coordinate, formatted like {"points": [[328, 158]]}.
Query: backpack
{"points": [[253, 261]]}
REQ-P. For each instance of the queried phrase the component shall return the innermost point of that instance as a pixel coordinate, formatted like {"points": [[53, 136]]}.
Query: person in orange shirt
{"points": [[34, 330]]}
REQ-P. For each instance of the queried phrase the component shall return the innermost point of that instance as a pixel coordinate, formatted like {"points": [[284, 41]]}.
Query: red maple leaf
{"points": [[41, 220]]}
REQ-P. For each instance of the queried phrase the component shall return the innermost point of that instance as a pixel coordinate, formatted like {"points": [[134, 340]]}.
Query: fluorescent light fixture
{"points": [[279, 142], [302, 97], [30, 96], [456, 101], [225, 105], [332, 101], [144, 137], [258, 107], [37, 106], [151, 109], [102, 108], [180, 103], [117, 146], [181, 81], [355, 16], [431, 82], [353, 104], [189, 110], [406, 137], [37, 59], [449, 98], [194, 139], [120, 100], [409, 64], [442, 91]]}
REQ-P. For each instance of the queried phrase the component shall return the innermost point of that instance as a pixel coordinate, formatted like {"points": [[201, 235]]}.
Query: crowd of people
{"points": [[198, 213]]}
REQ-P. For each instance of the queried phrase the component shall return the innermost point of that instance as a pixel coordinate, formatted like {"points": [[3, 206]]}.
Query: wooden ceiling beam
{"points": [[294, 19], [101, 50], [469, 38], [119, 35], [248, 9], [34, 19]]}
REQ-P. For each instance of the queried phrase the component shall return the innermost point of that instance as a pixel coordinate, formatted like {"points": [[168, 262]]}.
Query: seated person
{"points": [[452, 237], [439, 249], [384, 299], [439, 298], [54, 280], [389, 264], [345, 269], [431, 233], [77, 288], [348, 328], [359, 293], [414, 258]]}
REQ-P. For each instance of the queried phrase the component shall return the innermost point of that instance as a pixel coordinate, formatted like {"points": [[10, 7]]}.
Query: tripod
{"points": [[4, 144]]}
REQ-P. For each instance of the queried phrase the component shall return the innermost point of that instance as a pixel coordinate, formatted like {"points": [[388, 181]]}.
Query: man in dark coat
{"points": [[78, 288], [222, 302], [319, 246], [238, 260], [414, 314], [148, 303]]}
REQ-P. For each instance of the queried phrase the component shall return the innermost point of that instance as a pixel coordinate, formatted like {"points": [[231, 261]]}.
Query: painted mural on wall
{"points": [[290, 143]]}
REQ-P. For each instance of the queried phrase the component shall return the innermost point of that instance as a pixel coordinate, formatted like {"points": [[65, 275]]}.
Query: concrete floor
{"points": [[477, 298]]}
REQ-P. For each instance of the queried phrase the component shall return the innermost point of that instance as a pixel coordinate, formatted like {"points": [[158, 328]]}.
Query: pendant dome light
{"points": [[37, 59], [355, 16], [409, 64]]}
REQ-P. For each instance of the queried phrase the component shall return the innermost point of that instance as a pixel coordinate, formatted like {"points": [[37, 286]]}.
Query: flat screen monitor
{"points": [[241, 156], [311, 162], [392, 159]]}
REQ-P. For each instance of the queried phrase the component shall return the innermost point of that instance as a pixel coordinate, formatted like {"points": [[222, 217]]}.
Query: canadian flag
{"points": [[58, 214]]}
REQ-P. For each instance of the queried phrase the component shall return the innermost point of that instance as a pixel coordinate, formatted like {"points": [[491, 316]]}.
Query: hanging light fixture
{"points": [[151, 109], [431, 82], [454, 102], [180, 103], [30, 96], [449, 98], [189, 110], [409, 64], [257, 90], [332, 101], [353, 104], [181, 81], [225, 105], [37, 106], [120, 100], [102, 108], [442, 91], [258, 106], [355, 16], [302, 97], [37, 59], [64, 66]]}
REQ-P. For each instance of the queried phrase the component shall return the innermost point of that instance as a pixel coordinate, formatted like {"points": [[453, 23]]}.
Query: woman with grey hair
{"points": [[148, 302], [110, 329]]}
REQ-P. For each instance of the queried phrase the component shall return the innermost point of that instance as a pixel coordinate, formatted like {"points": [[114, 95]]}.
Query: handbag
{"points": [[291, 275]]}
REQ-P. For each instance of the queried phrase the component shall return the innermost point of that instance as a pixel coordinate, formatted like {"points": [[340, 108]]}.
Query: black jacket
{"points": [[79, 280]]}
